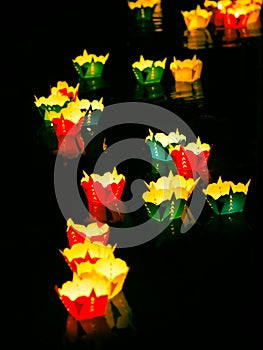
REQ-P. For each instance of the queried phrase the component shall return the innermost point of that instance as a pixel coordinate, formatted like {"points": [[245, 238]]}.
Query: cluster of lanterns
{"points": [[234, 13], [186, 164], [221, 13], [97, 275], [64, 114], [146, 71], [230, 19]]}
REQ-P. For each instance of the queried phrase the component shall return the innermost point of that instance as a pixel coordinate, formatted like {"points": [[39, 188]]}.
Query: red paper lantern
{"points": [[84, 298], [95, 232], [103, 193], [191, 159]]}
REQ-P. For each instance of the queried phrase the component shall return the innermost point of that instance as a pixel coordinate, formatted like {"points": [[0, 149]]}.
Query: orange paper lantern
{"points": [[197, 19], [188, 70]]}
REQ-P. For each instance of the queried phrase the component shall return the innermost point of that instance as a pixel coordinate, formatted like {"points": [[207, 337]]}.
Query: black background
{"points": [[198, 290]]}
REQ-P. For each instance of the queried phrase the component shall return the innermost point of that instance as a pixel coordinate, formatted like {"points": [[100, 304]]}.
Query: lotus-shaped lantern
{"points": [[67, 124], [167, 197], [188, 70], [90, 65], [86, 251], [197, 19], [225, 197], [191, 160], [148, 71], [95, 232], [113, 270], [103, 194], [84, 298], [159, 147]]}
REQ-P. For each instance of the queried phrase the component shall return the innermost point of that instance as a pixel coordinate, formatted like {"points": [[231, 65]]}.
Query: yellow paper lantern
{"points": [[63, 88], [167, 197], [197, 19], [188, 70], [86, 251], [113, 270]]}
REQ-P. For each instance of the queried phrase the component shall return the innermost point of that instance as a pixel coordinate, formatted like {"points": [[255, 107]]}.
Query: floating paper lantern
{"points": [[62, 88], [90, 65], [253, 13], [187, 70], [158, 144], [95, 232], [113, 270], [103, 194], [253, 8], [197, 19], [148, 71], [44, 105], [60, 96], [218, 9], [54, 102], [90, 106], [225, 197], [67, 125], [86, 251], [143, 10], [84, 298], [93, 111], [236, 17], [118, 316], [167, 197], [51, 103], [191, 159]]}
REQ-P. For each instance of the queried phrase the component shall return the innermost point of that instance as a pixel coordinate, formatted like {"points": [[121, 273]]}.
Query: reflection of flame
{"points": [[188, 92], [198, 39], [118, 316], [252, 30], [150, 92], [118, 312]]}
